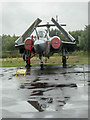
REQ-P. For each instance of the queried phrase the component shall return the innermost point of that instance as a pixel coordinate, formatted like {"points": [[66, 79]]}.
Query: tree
{"points": [[76, 34], [8, 42], [83, 39]]}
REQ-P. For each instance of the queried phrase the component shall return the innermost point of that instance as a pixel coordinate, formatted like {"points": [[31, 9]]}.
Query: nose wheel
{"points": [[41, 62]]}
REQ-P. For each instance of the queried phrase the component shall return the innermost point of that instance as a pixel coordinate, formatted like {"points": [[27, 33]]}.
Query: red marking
{"points": [[33, 55], [55, 42], [28, 44], [32, 37]]}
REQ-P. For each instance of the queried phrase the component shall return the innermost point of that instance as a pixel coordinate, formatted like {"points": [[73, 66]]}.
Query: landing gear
{"points": [[64, 59], [28, 51], [27, 64], [41, 62]]}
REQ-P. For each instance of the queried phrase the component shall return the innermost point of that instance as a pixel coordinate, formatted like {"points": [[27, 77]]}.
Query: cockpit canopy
{"points": [[42, 34]]}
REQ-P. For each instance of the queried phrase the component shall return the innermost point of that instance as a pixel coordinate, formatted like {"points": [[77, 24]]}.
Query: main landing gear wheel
{"points": [[64, 61], [41, 65]]}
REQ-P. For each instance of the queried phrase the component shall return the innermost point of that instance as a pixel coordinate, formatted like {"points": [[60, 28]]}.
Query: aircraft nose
{"points": [[39, 46]]}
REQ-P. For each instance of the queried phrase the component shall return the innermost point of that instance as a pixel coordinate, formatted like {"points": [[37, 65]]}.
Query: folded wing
{"points": [[20, 41]]}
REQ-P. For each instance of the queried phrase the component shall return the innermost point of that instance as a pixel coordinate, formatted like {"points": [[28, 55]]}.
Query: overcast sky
{"points": [[18, 16]]}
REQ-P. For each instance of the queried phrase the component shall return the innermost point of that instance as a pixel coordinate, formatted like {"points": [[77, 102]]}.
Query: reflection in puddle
{"points": [[41, 104], [47, 103], [37, 92], [46, 89], [45, 85], [36, 105], [1, 75], [43, 96]]}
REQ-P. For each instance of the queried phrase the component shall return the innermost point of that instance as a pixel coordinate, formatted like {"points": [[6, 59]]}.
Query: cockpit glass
{"points": [[42, 34]]}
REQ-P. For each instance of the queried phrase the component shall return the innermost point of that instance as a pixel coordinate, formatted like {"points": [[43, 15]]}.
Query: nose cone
{"points": [[39, 46]]}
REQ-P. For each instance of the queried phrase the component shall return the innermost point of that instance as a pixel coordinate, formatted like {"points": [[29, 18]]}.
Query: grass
{"points": [[54, 60]]}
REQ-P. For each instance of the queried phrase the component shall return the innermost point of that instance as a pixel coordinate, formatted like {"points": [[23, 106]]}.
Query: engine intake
{"points": [[28, 43], [56, 42]]}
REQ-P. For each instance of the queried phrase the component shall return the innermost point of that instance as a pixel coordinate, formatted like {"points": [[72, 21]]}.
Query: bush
{"points": [[10, 54]]}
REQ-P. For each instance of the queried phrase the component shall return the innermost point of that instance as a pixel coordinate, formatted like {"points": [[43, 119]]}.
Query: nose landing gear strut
{"points": [[41, 62]]}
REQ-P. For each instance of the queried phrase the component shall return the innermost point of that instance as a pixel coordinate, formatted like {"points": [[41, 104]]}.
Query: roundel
{"points": [[55, 42], [28, 43]]}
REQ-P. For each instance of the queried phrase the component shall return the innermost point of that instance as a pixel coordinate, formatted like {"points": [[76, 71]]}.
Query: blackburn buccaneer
{"points": [[43, 44]]}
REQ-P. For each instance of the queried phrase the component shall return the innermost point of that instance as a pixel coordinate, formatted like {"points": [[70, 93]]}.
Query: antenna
{"points": [[48, 30], [56, 21], [56, 18]]}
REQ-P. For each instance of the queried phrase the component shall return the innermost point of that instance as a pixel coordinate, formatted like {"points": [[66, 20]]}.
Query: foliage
{"points": [[11, 54], [8, 46], [76, 34], [83, 39], [8, 42]]}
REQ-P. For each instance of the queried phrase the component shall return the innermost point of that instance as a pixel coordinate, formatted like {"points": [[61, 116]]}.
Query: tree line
{"points": [[81, 36]]}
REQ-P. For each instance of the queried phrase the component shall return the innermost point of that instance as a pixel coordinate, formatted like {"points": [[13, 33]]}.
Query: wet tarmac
{"points": [[55, 92]]}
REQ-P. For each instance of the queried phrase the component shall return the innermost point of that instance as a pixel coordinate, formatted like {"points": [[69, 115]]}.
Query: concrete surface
{"points": [[57, 92]]}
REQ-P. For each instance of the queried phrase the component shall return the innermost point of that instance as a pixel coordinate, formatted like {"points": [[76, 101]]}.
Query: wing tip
{"points": [[39, 19]]}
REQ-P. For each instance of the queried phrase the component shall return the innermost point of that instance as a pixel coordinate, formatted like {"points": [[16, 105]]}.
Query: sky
{"points": [[18, 16]]}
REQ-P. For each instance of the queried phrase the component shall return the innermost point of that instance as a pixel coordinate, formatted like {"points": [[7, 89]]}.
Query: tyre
{"points": [[64, 61], [41, 66]]}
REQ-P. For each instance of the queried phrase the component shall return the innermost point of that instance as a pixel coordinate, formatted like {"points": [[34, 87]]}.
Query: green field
{"points": [[53, 60]]}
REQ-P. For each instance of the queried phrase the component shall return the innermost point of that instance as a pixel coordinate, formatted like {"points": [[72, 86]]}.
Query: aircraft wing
{"points": [[20, 41], [19, 45], [68, 36], [69, 45]]}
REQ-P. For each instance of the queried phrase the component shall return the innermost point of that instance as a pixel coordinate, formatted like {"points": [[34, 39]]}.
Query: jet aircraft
{"points": [[43, 44]]}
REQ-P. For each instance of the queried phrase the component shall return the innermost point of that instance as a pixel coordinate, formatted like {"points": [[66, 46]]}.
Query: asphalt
{"points": [[55, 92]]}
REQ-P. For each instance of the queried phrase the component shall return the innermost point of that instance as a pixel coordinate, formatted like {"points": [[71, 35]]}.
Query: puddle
{"points": [[46, 91], [39, 99], [45, 85], [1, 75]]}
